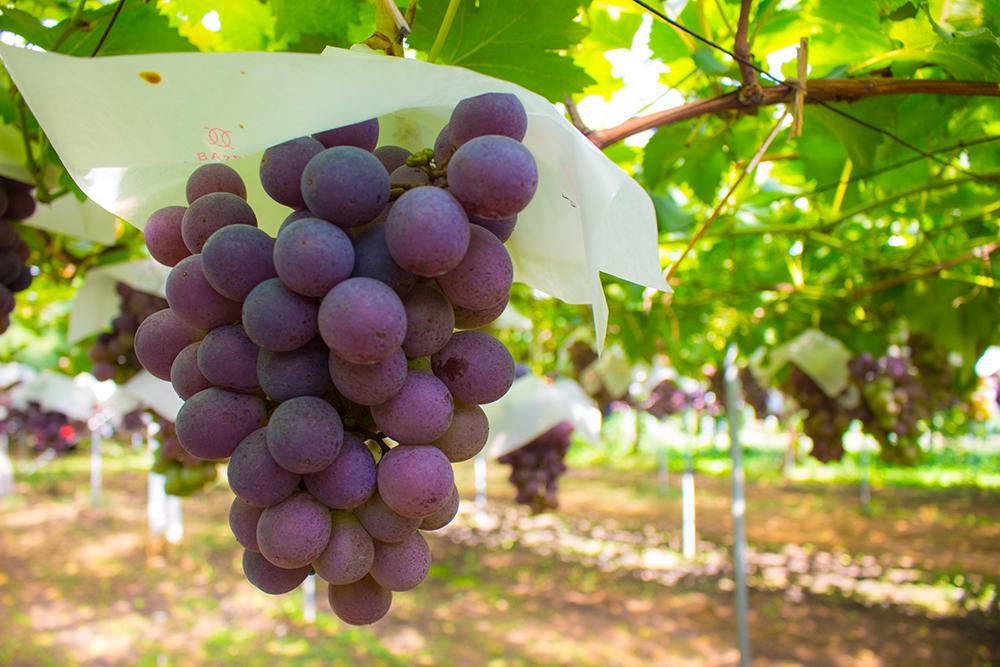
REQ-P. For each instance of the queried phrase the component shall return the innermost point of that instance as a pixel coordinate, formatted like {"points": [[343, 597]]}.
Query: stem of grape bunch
{"points": [[442, 35]]}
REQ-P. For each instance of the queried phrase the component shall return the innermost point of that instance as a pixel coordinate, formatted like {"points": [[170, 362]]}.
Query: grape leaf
{"points": [[27, 26], [139, 28], [516, 40], [314, 24]]}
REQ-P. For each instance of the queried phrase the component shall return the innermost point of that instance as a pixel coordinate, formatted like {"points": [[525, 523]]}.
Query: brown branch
{"points": [[751, 92], [820, 90], [976, 253], [574, 115]]}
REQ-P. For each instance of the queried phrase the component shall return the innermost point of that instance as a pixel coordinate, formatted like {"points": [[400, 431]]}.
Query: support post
{"points": [[480, 473], [738, 506], [96, 426], [6, 467], [309, 599]]}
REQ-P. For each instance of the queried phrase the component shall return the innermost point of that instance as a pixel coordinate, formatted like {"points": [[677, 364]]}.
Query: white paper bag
{"points": [[97, 301], [130, 129]]}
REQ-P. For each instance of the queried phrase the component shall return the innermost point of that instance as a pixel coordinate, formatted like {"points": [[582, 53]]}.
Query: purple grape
{"points": [[215, 177], [493, 176], [214, 421], [369, 384], [281, 169], [427, 232], [193, 299], [210, 213], [476, 319], [243, 519], [294, 532], [349, 554], [408, 177], [484, 276], [490, 113], [403, 565], [278, 319], [347, 482], [443, 147], [305, 434], [429, 321], [312, 256], [297, 214], [372, 260], [443, 516], [382, 523], [502, 228], [475, 367], [364, 135], [415, 481], [360, 603], [391, 157], [236, 259], [467, 435], [269, 578], [254, 475], [185, 375], [345, 185], [163, 235], [22, 281], [159, 339], [420, 413], [301, 372], [228, 359], [362, 321]]}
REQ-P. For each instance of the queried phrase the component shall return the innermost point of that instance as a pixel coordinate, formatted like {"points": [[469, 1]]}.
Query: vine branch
{"points": [[981, 252], [751, 91], [442, 35]]}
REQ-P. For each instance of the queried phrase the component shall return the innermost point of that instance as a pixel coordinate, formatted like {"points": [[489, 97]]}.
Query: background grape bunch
{"points": [[185, 474], [537, 466], [325, 361], [43, 429], [826, 419], [666, 399], [113, 352], [16, 204]]}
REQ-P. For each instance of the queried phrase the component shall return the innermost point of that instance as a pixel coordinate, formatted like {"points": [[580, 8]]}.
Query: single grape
{"points": [[345, 185], [228, 359], [403, 565], [20, 203], [349, 554], [243, 519], [415, 481], [312, 256], [159, 339], [382, 523], [443, 147], [163, 235], [427, 232], [369, 384], [429, 321], [364, 135], [215, 177], [420, 413], [254, 475], [305, 434], [443, 516], [493, 176], [236, 259], [281, 169], [373, 260], [476, 319], [210, 213], [490, 113], [360, 603], [297, 214], [277, 318], [362, 321], [185, 375], [22, 281], [502, 228], [475, 367], [347, 482], [484, 276], [294, 532], [407, 177], [214, 421], [391, 157], [193, 299], [467, 435], [270, 578], [301, 372]]}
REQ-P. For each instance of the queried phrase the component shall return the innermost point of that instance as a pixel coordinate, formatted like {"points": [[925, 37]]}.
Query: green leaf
{"points": [[27, 26], [244, 26], [314, 24], [139, 28], [516, 40]]}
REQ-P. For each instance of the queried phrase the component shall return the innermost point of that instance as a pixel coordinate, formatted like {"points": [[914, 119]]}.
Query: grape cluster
{"points": [[754, 393], [16, 204], [827, 418], [300, 356], [113, 352], [43, 429], [936, 374], [894, 401], [666, 399], [537, 466], [185, 474]]}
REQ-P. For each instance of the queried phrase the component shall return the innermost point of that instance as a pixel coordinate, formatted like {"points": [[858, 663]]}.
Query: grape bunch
{"points": [[666, 399], [754, 393], [44, 429], [826, 417], [537, 466], [324, 362], [936, 374], [893, 404], [113, 352], [16, 204], [185, 474]]}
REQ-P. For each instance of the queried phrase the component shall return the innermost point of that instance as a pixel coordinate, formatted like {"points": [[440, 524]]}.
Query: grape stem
{"points": [[449, 18]]}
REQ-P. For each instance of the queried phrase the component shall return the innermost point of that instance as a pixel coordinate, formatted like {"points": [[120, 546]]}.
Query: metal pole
{"points": [[480, 473], [865, 491], [309, 599], [687, 495], [95, 460], [6, 467], [738, 505]]}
